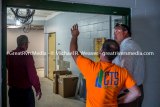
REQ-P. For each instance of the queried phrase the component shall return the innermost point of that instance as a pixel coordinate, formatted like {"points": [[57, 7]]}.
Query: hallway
{"points": [[49, 99]]}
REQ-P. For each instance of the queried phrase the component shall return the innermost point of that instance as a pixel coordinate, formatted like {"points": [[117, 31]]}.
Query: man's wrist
{"points": [[74, 37]]}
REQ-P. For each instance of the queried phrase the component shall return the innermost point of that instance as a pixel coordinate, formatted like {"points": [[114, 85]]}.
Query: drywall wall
{"points": [[36, 43], [90, 26]]}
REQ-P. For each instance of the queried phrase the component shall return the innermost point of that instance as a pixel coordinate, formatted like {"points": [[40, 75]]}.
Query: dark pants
{"points": [[137, 102], [21, 97]]}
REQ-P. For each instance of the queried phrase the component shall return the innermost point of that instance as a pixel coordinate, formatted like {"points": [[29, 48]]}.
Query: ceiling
{"points": [[40, 16]]}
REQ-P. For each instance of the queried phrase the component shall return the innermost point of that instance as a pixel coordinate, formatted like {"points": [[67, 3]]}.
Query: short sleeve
{"points": [[129, 82], [85, 65], [127, 61]]}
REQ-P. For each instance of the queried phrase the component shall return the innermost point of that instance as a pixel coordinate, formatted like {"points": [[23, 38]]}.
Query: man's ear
{"points": [[103, 53], [101, 50], [126, 33]]}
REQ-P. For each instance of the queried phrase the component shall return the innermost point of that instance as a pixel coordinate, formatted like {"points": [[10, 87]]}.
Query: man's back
{"points": [[104, 81], [22, 76], [17, 62], [21, 70]]}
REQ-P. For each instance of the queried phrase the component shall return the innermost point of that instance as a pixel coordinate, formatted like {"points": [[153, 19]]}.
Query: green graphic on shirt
{"points": [[110, 79], [99, 79]]}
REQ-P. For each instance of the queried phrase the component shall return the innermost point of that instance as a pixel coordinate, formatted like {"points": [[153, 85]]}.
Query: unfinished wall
{"points": [[36, 39], [90, 25]]}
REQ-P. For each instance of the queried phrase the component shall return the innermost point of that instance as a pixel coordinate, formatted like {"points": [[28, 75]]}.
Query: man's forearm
{"points": [[129, 97], [74, 48], [73, 44]]}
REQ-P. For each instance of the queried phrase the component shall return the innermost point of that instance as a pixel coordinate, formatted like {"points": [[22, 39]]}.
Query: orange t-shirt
{"points": [[104, 81]]}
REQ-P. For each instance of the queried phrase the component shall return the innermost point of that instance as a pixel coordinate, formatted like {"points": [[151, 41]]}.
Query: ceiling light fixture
{"points": [[25, 17], [18, 23], [13, 26]]}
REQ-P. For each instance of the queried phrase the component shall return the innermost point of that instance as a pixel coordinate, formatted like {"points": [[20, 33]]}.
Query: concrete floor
{"points": [[49, 99], [40, 72]]}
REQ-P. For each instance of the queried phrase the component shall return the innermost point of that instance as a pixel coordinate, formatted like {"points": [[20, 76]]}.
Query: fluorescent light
{"points": [[18, 23], [13, 26]]}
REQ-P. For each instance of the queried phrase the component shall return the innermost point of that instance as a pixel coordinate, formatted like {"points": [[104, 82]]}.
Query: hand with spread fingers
{"points": [[74, 30]]}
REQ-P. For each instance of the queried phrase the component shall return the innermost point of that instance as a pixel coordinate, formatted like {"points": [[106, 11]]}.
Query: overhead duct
{"points": [[25, 17]]}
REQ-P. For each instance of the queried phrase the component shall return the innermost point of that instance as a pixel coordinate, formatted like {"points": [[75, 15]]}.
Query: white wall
{"points": [[90, 25], [145, 28], [145, 24], [36, 39]]}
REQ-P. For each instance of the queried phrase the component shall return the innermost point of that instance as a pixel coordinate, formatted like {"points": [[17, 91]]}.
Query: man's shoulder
{"points": [[82, 60], [130, 45], [81, 57], [120, 68]]}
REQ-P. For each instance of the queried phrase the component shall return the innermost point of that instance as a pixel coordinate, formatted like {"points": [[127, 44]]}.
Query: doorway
{"points": [[51, 55], [51, 5]]}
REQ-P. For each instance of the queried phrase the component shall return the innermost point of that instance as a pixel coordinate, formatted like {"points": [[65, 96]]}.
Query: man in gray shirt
{"points": [[131, 58]]}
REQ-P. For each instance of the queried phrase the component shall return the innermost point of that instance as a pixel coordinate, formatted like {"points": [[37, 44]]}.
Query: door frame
{"points": [[50, 5], [48, 51]]}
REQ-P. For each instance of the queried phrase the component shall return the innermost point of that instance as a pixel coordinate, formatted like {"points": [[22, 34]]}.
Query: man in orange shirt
{"points": [[104, 80]]}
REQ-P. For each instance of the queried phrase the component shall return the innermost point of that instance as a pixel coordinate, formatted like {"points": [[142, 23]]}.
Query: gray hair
{"points": [[22, 39]]}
